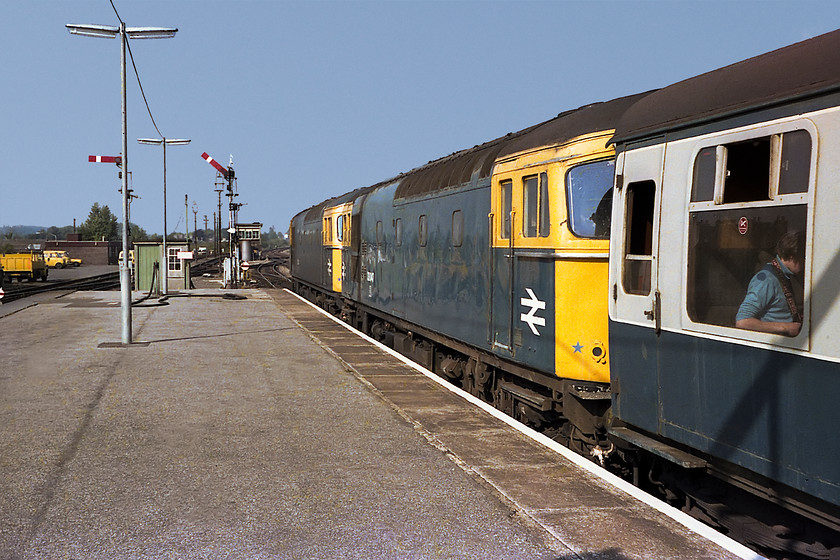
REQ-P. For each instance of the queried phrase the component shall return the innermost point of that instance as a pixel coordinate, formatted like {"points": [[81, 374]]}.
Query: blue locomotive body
{"points": [[425, 260], [469, 264]]}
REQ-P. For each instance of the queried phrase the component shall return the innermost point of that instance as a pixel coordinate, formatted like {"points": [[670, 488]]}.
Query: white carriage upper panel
{"points": [[745, 193]]}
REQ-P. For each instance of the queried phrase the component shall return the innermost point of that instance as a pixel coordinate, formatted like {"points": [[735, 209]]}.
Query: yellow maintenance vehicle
{"points": [[30, 266]]}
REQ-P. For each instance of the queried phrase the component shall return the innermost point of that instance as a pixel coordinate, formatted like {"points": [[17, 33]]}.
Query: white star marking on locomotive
{"points": [[531, 317]]}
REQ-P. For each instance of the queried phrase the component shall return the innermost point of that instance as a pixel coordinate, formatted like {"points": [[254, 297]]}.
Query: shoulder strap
{"points": [[787, 289]]}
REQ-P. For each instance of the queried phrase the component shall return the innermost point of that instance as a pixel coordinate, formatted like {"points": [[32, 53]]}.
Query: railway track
{"points": [[107, 281], [274, 271], [206, 264]]}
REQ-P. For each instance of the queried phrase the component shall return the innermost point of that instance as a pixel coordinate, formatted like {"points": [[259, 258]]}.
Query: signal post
{"points": [[232, 265]]}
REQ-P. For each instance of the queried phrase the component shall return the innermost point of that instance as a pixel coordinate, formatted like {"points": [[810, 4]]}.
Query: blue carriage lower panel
{"points": [[771, 412]]}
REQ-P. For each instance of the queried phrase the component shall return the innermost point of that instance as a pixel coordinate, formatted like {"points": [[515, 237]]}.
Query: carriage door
{"points": [[634, 259]]}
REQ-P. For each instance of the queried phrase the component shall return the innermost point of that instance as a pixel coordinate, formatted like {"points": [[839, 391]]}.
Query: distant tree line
{"points": [[273, 240], [102, 225]]}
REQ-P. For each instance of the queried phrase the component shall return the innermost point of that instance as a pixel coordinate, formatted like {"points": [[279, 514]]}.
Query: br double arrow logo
{"points": [[531, 317]]}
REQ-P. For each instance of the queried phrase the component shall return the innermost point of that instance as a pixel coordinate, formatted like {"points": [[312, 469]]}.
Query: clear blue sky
{"points": [[317, 98]]}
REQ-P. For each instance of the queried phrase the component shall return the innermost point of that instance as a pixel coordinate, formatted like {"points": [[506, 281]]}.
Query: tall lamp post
{"points": [[109, 32], [164, 275]]}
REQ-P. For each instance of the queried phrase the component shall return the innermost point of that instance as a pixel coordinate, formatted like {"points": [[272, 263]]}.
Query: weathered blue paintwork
{"points": [[425, 284], [529, 277], [746, 405], [308, 233], [446, 287]]}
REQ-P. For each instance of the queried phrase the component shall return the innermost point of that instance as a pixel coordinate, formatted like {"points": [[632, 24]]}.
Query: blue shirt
{"points": [[765, 299]]}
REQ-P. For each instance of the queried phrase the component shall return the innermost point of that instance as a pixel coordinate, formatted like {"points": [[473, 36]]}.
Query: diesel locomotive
{"points": [[488, 266], [494, 268]]}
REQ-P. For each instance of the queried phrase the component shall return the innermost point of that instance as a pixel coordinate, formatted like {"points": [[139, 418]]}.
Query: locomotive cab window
{"points": [[535, 205], [545, 215], [345, 229], [747, 226], [507, 205], [589, 198], [327, 233]]}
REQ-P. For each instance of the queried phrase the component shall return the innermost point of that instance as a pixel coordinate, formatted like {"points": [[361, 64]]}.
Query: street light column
{"points": [[164, 278], [109, 32], [125, 271], [164, 274]]}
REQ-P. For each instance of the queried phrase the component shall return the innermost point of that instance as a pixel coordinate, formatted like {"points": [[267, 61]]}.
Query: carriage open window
{"points": [[638, 240], [745, 196]]}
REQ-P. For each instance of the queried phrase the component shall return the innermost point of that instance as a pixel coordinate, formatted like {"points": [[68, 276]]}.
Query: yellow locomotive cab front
{"points": [[336, 231], [553, 205]]}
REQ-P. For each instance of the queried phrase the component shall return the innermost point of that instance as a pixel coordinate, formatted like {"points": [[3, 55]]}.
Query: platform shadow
{"points": [[606, 554], [220, 335]]}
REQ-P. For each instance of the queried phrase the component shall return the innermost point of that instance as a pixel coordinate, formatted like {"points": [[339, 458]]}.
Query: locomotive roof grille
{"points": [[459, 168], [314, 213], [795, 72]]}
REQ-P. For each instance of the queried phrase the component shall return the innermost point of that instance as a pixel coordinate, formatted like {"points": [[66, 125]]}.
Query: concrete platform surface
{"points": [[231, 432]]}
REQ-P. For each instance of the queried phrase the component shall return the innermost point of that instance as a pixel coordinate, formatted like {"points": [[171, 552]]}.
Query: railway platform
{"points": [[260, 428]]}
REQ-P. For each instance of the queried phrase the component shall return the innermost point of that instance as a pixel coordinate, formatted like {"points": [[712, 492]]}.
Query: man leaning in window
{"points": [[769, 305]]}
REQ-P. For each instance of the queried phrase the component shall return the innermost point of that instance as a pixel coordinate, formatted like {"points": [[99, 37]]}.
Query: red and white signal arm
{"points": [[245, 265], [2, 293], [105, 159], [219, 167]]}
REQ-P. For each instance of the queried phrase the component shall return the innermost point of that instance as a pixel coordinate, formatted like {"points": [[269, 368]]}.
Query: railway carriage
{"points": [[711, 172]]}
